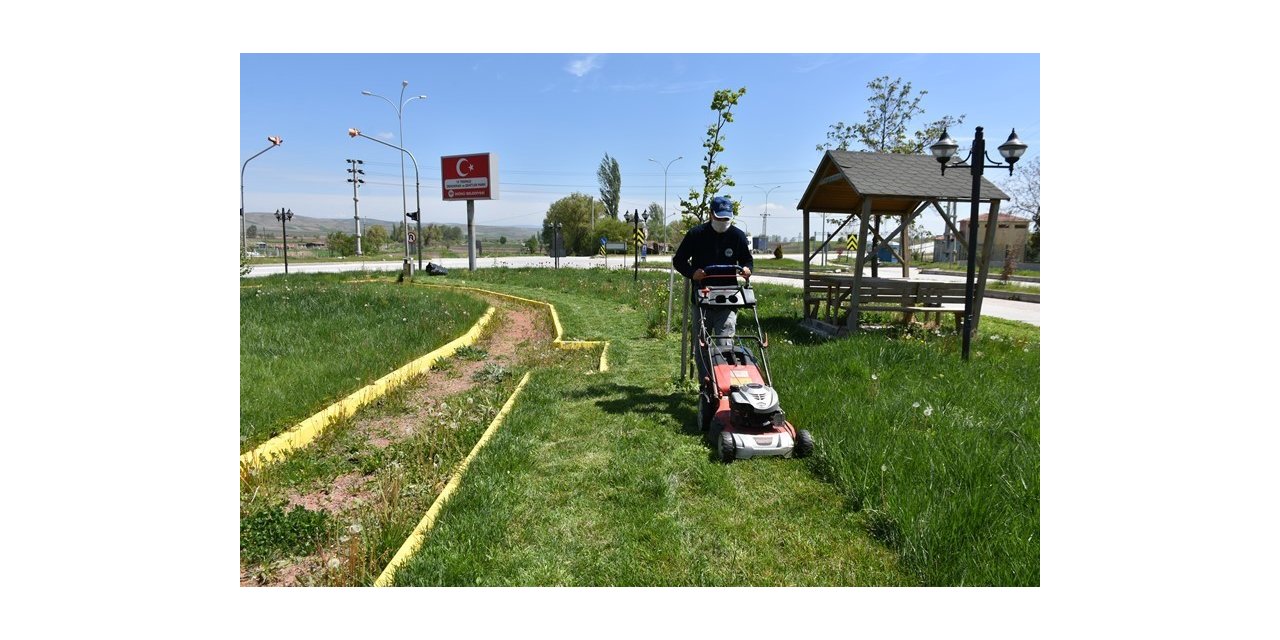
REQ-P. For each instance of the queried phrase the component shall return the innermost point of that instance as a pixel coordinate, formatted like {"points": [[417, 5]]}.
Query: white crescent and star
{"points": [[462, 173]]}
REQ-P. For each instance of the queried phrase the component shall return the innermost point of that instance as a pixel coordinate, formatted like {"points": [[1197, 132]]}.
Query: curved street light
{"points": [[404, 200], [417, 186], [944, 150], [275, 142], [671, 272]]}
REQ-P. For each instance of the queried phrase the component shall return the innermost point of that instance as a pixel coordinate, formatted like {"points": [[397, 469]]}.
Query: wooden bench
{"points": [[907, 297]]}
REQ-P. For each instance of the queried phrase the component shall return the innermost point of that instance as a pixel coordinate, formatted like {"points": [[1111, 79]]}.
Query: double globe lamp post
{"points": [[944, 150], [634, 219]]}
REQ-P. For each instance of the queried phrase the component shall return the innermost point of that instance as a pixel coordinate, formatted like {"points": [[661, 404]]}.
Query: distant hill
{"points": [[306, 227]]}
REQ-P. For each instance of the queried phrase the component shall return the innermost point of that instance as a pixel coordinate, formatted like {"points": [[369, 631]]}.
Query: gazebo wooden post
{"points": [[984, 264], [906, 246], [864, 220], [805, 301], [875, 248]]}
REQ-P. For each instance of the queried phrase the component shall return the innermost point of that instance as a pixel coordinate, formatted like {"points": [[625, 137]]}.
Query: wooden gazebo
{"points": [[871, 187]]}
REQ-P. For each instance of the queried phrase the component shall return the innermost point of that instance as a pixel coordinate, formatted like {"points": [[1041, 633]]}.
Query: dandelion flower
{"points": [[928, 411], [875, 377], [915, 405], [884, 468], [355, 528], [334, 563]]}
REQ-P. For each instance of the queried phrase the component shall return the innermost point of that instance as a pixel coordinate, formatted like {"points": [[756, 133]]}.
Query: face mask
{"points": [[720, 226]]}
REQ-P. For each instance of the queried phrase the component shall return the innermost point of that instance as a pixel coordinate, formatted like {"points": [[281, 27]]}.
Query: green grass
{"points": [[601, 479], [957, 499], [307, 341], [993, 273]]}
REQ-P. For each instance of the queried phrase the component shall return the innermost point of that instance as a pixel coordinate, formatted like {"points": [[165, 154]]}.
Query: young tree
{"points": [[610, 177], [1024, 187], [502, 239], [251, 232], [885, 130], [697, 206], [341, 244], [657, 222], [532, 244], [573, 212], [374, 237], [450, 235], [430, 233]]}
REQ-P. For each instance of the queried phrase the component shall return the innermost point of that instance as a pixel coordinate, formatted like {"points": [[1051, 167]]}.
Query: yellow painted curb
{"points": [[308, 430], [419, 535], [558, 342]]}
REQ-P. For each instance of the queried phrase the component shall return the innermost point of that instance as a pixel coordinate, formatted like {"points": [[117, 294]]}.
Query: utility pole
{"points": [[764, 217], [356, 181]]}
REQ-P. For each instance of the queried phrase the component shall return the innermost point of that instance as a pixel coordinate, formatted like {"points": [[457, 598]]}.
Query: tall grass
{"points": [[306, 342], [943, 456], [936, 458]]}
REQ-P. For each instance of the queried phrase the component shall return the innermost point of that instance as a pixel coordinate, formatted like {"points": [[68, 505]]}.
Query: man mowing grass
{"points": [[714, 242]]}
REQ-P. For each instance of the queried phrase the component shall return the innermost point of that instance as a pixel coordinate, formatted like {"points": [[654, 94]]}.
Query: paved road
{"points": [[1028, 312]]}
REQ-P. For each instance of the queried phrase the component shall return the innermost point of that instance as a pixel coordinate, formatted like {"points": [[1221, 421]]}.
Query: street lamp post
{"points": [[671, 272], [944, 149], [634, 219], [417, 190], [404, 200], [764, 217], [284, 216], [275, 142]]}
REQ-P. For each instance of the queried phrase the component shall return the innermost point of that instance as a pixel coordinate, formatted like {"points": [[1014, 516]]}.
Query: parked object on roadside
{"points": [[434, 269]]}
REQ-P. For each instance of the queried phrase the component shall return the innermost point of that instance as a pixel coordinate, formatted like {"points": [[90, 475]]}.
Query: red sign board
{"points": [[473, 176]]}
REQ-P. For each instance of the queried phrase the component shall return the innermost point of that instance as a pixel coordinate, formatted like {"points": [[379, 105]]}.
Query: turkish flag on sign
{"points": [[468, 177]]}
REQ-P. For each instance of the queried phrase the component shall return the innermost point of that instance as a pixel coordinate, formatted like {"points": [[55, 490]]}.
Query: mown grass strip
{"points": [[309, 429], [559, 342], [419, 534]]}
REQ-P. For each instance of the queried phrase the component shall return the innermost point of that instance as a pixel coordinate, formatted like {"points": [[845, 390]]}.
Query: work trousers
{"points": [[720, 321]]}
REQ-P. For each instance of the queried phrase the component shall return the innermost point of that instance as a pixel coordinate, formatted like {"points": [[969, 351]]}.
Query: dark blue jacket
{"points": [[702, 246]]}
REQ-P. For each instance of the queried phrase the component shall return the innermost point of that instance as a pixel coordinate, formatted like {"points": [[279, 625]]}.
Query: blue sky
{"points": [[550, 118]]}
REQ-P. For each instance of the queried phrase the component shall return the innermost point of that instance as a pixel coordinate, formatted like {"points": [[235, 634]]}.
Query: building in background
{"points": [[1011, 232]]}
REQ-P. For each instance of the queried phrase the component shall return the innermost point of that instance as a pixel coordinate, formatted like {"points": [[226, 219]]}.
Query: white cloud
{"points": [[387, 135], [583, 66]]}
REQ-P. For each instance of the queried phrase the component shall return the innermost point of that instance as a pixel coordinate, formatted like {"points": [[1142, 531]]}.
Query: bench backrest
{"points": [[892, 291]]}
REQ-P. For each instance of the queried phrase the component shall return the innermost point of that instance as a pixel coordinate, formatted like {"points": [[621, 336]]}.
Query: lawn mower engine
{"points": [[755, 406]]}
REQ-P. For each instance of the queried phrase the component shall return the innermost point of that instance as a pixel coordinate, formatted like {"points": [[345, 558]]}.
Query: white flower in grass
{"points": [[928, 411], [875, 377], [884, 468], [915, 405], [334, 563], [355, 528]]}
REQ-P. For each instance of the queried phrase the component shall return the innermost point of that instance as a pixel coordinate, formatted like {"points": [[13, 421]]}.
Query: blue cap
{"points": [[721, 207]]}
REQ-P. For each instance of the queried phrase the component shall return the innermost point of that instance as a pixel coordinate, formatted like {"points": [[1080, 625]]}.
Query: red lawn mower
{"points": [[738, 409]]}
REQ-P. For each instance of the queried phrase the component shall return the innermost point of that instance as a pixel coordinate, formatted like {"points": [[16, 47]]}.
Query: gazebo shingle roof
{"points": [[891, 175]]}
